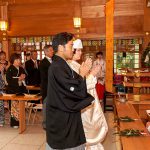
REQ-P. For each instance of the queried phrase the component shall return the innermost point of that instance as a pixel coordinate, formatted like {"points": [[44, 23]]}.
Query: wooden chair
{"points": [[29, 108], [108, 107], [35, 109]]}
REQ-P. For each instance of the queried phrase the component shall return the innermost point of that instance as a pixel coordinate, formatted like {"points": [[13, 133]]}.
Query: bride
{"points": [[94, 123]]}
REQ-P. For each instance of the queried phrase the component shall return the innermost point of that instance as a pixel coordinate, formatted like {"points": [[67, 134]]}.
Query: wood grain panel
{"points": [[22, 2], [93, 11], [120, 35], [146, 17], [77, 8], [39, 26], [128, 24], [41, 9], [128, 1], [94, 25], [129, 7], [84, 2], [92, 2], [43, 17], [120, 10]]}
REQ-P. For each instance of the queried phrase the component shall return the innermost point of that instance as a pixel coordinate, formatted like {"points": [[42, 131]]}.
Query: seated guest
{"points": [[2, 84], [148, 126], [32, 69], [3, 64], [3, 61], [15, 77], [3, 58], [28, 56]]}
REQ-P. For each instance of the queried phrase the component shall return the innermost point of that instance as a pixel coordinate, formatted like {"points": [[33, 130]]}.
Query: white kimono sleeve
{"points": [[91, 82]]}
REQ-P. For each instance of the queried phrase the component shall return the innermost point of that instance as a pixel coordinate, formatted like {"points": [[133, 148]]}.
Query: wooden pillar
{"points": [[109, 44], [4, 37], [146, 26]]}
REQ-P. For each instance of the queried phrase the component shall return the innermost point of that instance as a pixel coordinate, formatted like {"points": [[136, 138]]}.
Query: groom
{"points": [[66, 97]]}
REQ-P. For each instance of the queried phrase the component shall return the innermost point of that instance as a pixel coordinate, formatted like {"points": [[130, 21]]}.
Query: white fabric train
{"points": [[93, 119]]}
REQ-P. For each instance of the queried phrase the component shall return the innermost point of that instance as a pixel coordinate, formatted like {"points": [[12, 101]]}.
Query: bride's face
{"points": [[77, 54]]}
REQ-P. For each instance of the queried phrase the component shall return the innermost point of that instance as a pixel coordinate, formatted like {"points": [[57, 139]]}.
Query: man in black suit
{"points": [[32, 69], [44, 65]]}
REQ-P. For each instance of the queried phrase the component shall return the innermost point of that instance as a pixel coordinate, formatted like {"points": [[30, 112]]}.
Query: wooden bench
{"points": [[131, 143]]}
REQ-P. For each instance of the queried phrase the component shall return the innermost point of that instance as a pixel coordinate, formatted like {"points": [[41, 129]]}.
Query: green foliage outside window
{"points": [[125, 62]]}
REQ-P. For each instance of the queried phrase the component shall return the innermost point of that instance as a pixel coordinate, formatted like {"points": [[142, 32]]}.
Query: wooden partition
{"points": [[48, 17]]}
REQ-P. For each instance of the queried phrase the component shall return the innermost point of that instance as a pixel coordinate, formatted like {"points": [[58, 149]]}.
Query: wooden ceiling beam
{"points": [[120, 35], [32, 2]]}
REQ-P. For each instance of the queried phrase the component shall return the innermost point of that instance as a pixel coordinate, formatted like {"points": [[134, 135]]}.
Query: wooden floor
{"points": [[34, 137], [111, 142]]}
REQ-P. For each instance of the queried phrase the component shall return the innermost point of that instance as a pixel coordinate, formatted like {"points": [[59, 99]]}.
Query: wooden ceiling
{"points": [[48, 17]]}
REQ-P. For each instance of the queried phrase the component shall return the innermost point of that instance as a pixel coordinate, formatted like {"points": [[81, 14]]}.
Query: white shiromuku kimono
{"points": [[93, 119]]}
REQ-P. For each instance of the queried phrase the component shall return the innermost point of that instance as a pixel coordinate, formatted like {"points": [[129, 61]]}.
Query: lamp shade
{"points": [[3, 25], [77, 22]]}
